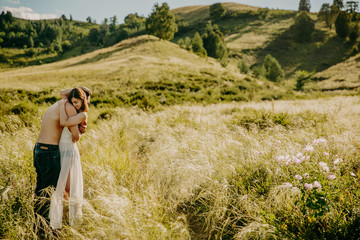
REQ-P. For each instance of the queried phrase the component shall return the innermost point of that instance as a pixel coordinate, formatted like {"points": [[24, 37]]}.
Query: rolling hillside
{"points": [[250, 34], [142, 69]]}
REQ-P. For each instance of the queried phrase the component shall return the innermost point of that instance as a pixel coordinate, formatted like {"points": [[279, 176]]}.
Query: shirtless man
{"points": [[46, 150]]}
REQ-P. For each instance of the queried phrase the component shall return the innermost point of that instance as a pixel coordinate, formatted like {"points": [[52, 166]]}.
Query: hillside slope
{"points": [[342, 76], [142, 71]]}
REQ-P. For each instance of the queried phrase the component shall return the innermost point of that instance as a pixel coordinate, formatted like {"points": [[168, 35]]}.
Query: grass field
{"points": [[222, 171], [180, 147]]}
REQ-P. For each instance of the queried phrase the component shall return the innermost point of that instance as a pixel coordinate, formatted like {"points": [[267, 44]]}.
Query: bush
{"points": [[304, 27], [197, 45], [342, 24], [301, 77], [273, 70], [243, 67], [217, 11]]}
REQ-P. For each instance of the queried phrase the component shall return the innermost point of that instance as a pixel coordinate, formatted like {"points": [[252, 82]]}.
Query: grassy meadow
{"points": [[221, 171], [181, 147]]}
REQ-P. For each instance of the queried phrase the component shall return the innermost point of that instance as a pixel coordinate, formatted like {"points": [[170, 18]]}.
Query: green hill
{"points": [[250, 33], [141, 71]]}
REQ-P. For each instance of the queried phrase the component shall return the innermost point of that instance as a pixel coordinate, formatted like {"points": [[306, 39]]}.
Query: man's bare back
{"points": [[50, 130]]}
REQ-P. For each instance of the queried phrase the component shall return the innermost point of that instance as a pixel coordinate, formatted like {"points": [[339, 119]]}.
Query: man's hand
{"points": [[82, 127]]}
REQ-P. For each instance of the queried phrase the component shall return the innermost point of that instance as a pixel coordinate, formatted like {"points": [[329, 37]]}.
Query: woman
{"points": [[70, 183]]}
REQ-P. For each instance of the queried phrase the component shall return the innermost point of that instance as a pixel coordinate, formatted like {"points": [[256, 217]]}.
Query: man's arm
{"points": [[65, 93], [71, 111]]}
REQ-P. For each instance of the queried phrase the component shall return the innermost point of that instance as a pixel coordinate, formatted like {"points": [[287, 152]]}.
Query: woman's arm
{"points": [[71, 111], [66, 121]]}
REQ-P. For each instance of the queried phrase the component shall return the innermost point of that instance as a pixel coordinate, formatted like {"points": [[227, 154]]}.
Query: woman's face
{"points": [[76, 102]]}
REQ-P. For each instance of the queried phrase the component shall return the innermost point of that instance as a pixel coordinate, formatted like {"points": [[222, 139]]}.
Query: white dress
{"points": [[70, 162]]}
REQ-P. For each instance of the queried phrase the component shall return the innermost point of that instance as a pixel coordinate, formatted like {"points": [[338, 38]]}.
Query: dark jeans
{"points": [[47, 165]]}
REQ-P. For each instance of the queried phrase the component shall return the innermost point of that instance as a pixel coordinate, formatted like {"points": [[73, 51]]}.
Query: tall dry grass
{"points": [[224, 171]]}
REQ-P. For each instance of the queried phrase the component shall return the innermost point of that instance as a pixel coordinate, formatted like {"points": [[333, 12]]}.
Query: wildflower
{"points": [[298, 177], [353, 174], [308, 148], [324, 166], [308, 186], [287, 185], [338, 160], [331, 177], [326, 154], [281, 159], [317, 185], [319, 140], [306, 175]]}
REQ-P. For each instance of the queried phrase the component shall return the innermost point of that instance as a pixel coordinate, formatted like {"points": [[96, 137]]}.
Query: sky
{"points": [[100, 9]]}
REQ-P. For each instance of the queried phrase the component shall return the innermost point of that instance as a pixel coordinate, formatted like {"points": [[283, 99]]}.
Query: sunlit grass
{"points": [[196, 172]]}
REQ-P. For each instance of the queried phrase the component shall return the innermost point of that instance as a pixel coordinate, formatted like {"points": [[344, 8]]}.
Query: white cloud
{"points": [[28, 13]]}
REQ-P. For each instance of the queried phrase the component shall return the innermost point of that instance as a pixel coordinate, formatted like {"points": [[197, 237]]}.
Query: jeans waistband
{"points": [[47, 146]]}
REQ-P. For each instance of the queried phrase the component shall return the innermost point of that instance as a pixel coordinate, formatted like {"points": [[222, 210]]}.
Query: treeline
{"points": [[58, 35], [344, 17]]}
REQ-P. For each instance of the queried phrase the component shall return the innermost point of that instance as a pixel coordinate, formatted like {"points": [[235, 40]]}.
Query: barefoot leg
{"points": [[67, 188]]}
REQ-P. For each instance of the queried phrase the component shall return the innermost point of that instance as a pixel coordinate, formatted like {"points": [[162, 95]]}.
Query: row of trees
{"points": [[20, 33], [344, 17]]}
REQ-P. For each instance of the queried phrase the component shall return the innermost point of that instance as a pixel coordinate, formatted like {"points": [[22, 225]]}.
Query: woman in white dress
{"points": [[70, 182]]}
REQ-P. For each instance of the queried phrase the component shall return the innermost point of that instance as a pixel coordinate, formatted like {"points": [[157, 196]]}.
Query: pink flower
{"points": [[309, 148], [338, 160], [326, 154], [324, 166], [306, 175], [317, 185], [298, 177], [287, 185], [353, 174], [331, 177], [308, 186]]}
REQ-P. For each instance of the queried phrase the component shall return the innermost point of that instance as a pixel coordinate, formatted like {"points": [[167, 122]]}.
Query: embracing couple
{"points": [[57, 159]]}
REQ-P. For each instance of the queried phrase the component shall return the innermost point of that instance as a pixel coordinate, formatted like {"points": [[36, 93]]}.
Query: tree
{"points": [[214, 42], [304, 27], [339, 4], [217, 11], [354, 32], [325, 14], [71, 18], [133, 20], [342, 24], [31, 42], [304, 5], [352, 6], [161, 22], [89, 20], [113, 22], [197, 45], [273, 70]]}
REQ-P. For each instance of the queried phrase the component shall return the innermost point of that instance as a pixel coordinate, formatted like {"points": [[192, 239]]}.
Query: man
{"points": [[46, 151]]}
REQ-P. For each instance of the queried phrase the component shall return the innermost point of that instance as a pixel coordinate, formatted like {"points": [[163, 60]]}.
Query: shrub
{"points": [[197, 45], [243, 67], [304, 27], [301, 77], [342, 24], [273, 70], [217, 11]]}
